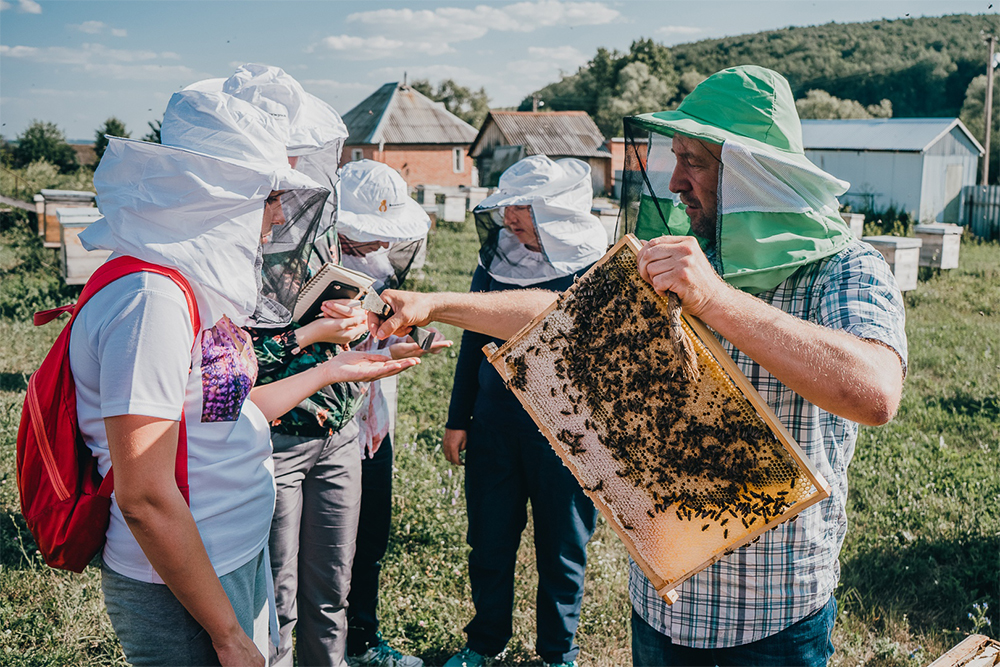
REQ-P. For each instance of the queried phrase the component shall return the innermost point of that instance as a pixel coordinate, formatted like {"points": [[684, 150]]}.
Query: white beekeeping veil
{"points": [[559, 194]]}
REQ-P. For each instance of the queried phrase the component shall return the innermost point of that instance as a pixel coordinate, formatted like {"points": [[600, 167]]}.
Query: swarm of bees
{"points": [[605, 379]]}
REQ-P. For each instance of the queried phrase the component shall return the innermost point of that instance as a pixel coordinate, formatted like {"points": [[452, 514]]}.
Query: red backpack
{"points": [[64, 501]]}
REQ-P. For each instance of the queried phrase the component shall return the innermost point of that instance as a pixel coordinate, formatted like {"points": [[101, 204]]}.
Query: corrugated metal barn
{"points": [[508, 136], [917, 165]]}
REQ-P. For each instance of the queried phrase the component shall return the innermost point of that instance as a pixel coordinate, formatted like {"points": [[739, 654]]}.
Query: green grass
{"points": [[923, 545]]}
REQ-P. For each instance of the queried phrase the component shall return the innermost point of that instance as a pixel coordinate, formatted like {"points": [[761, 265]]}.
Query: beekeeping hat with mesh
{"points": [[315, 137], [549, 231], [776, 210], [381, 228], [198, 201]]}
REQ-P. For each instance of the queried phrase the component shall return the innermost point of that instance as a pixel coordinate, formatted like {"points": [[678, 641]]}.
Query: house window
{"points": [[458, 160], [357, 154]]}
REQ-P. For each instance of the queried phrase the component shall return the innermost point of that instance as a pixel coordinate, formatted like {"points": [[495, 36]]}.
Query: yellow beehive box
{"points": [[684, 466]]}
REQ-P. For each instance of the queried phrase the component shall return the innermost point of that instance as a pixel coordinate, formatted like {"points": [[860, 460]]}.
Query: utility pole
{"points": [[534, 103], [991, 39]]}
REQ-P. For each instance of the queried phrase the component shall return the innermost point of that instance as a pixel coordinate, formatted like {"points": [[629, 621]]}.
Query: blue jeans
{"points": [[506, 468], [803, 644]]}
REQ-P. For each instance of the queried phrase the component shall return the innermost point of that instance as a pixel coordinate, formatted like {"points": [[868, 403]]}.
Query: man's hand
{"points": [[677, 264], [453, 444], [410, 309], [412, 349]]}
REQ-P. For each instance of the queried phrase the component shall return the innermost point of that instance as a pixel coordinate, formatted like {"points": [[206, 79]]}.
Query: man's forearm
{"points": [[857, 379], [497, 314]]}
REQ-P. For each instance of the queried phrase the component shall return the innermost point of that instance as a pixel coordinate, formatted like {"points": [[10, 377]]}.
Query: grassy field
{"points": [[921, 560]]}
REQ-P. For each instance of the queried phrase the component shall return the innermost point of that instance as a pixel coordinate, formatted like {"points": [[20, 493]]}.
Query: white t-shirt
{"points": [[130, 352]]}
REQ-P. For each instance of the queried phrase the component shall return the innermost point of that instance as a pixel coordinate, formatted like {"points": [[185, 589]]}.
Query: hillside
{"points": [[923, 66]]}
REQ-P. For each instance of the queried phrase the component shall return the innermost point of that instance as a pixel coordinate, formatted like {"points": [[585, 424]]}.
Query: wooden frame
{"points": [[707, 344]]}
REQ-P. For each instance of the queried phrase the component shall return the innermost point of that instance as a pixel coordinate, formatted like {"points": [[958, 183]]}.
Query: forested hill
{"points": [[923, 66]]}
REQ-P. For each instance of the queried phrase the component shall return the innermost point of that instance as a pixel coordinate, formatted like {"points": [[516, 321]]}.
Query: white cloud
{"points": [[29, 7], [98, 27], [438, 28], [99, 59], [433, 73], [4, 5], [563, 55], [673, 30], [331, 85], [373, 48], [91, 27]]}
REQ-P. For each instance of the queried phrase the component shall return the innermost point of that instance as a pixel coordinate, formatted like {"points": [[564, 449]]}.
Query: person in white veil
{"points": [[185, 582], [536, 231]]}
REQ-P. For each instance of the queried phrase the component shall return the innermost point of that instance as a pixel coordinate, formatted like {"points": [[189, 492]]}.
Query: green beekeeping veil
{"points": [[777, 210]]}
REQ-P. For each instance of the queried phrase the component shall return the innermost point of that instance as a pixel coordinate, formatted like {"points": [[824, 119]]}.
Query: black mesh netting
{"points": [[646, 200], [285, 257]]}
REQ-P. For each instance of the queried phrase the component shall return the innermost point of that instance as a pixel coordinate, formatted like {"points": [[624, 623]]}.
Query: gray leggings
{"points": [[155, 629]]}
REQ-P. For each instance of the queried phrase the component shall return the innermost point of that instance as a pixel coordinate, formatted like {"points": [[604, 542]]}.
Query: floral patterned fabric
{"points": [[325, 412], [229, 369]]}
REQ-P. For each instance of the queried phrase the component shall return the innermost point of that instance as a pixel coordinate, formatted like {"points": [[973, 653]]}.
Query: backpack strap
{"points": [[106, 274]]}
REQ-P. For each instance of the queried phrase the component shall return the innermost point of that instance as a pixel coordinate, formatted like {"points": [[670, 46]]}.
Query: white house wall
{"points": [[879, 179], [952, 149]]}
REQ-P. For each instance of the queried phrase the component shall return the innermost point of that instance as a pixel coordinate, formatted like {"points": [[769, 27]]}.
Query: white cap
{"points": [[375, 205]]}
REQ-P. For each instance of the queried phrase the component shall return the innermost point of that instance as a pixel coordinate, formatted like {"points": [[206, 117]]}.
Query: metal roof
{"points": [[397, 114], [880, 134], [562, 133]]}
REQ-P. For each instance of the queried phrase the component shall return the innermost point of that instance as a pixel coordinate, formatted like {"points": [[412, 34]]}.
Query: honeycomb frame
{"points": [[705, 487]]}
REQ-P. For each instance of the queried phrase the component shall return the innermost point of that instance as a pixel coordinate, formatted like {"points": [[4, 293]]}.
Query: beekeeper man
{"points": [[813, 317]]}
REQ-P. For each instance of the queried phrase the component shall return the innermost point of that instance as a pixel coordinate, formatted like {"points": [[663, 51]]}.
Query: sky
{"points": [[77, 62]]}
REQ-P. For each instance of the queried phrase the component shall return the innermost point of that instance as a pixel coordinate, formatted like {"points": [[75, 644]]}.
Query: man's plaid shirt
{"points": [[792, 571]]}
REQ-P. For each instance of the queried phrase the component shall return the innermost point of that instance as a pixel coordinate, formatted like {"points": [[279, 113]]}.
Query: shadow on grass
{"points": [[934, 583], [963, 403], [13, 381]]}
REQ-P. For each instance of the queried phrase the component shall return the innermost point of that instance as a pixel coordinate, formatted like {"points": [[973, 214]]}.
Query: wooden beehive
{"points": [[940, 243], [903, 255], [46, 205], [973, 651], [76, 262], [685, 470]]}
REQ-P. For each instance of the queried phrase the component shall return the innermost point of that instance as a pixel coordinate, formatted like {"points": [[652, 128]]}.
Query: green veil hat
{"points": [[777, 210]]}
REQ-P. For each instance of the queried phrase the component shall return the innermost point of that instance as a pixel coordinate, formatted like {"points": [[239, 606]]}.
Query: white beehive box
{"points": [[856, 221], [76, 262], [903, 255], [941, 241], [48, 202], [452, 206]]}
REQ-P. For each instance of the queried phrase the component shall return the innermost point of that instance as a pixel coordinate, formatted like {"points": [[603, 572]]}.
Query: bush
{"points": [[30, 275]]}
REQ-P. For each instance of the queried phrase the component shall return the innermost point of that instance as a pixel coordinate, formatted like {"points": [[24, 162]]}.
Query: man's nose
{"points": [[678, 180]]}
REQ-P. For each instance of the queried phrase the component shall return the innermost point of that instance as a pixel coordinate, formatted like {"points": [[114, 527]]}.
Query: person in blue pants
{"points": [[536, 231]]}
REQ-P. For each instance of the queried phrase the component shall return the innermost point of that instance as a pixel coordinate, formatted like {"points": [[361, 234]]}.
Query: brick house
{"points": [[508, 136], [416, 136]]}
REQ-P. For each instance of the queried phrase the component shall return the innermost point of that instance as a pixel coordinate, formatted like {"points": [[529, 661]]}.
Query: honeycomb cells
{"points": [[685, 468]]}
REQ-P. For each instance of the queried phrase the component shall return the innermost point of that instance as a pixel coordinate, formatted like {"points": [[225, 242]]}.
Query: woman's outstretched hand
{"points": [[364, 367]]}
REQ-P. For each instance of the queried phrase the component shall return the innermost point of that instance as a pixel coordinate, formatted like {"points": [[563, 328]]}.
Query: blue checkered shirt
{"points": [[792, 571]]}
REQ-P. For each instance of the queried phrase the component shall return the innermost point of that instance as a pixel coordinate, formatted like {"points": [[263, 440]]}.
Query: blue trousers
{"points": [[505, 467], [802, 644]]}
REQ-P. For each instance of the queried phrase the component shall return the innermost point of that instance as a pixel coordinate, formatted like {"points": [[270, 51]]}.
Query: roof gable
{"points": [[559, 133], [398, 114], [880, 134]]}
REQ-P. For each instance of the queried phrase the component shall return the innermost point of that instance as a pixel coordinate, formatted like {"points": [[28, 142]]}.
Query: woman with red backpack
{"points": [[184, 578]]}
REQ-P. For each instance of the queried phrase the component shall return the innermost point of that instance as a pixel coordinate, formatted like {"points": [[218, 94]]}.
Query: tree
{"points": [[113, 127], [153, 136], [821, 104], [44, 141], [972, 114], [637, 91], [471, 106]]}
